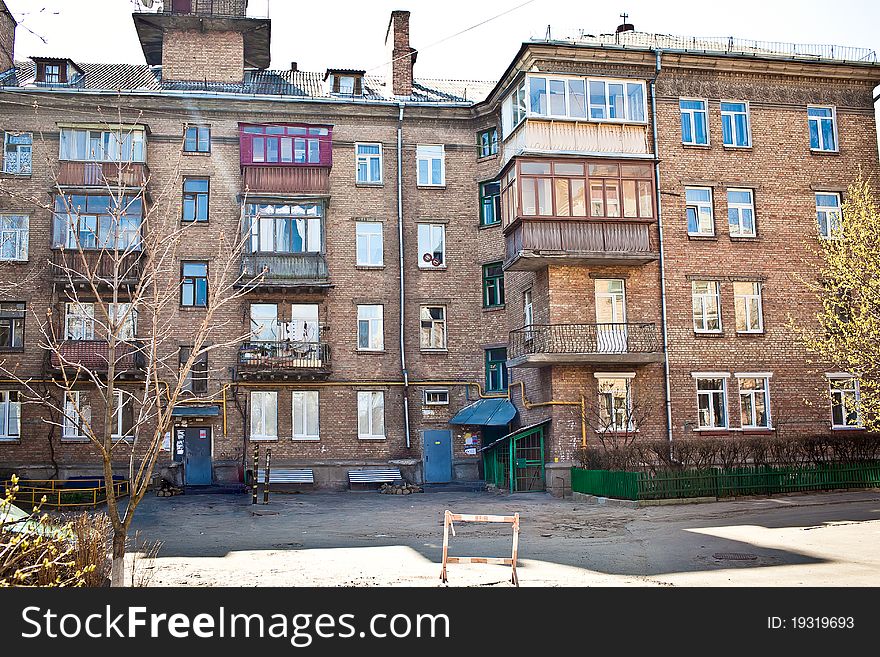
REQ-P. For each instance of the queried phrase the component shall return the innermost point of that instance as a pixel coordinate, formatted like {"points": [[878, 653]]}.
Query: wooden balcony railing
{"points": [[589, 342], [102, 174], [285, 270], [72, 266], [289, 357], [94, 355]]}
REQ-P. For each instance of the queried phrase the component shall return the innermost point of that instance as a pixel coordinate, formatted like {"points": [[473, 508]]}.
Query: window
{"points": [[123, 320], [286, 145], [18, 153], [845, 406], [97, 221], [615, 404], [79, 321], [436, 397], [608, 100], [741, 212], [371, 415], [707, 306], [735, 127], [747, 303], [285, 228], [304, 325], [197, 139], [194, 284], [369, 243], [490, 203], [14, 234], [528, 313], [51, 73], [195, 199], [10, 415], [77, 416], [369, 163], [828, 214], [700, 220], [264, 415], [823, 128], [496, 369], [712, 403], [196, 380], [305, 415], [493, 285], [487, 142], [513, 109], [431, 165], [754, 402], [86, 145], [432, 333], [694, 122], [370, 328], [12, 325], [432, 246], [123, 415], [264, 322]]}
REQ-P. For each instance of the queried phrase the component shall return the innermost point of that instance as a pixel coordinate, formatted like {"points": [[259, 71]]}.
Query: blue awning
{"points": [[195, 411], [493, 412]]}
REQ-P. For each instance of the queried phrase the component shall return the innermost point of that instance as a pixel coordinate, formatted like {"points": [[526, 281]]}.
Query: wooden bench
{"points": [[287, 476], [374, 475]]}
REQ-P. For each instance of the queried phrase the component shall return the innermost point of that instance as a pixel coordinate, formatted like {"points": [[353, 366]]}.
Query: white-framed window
{"points": [[748, 307], [823, 128], [10, 415], [371, 415], [711, 401], [513, 109], [371, 335], [264, 322], [694, 122], [615, 403], [305, 415], [368, 235], [698, 206], [616, 100], [432, 246], [123, 415], [741, 212], [528, 311], [264, 415], [79, 321], [123, 316], [86, 145], [735, 125], [14, 236], [439, 397], [828, 214], [845, 401], [431, 162], [707, 306], [369, 163], [77, 415], [754, 400], [432, 331], [18, 153]]}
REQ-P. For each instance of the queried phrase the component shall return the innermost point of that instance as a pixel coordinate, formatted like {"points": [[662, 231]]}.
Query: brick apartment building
{"points": [[565, 256]]}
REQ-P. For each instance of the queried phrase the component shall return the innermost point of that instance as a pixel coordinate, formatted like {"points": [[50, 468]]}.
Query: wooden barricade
{"points": [[448, 520]]}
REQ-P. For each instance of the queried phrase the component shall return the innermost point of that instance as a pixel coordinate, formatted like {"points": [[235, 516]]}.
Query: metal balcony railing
{"points": [[286, 356], [584, 339]]}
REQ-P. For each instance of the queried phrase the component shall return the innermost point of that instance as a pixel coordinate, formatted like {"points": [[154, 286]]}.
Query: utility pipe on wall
{"points": [[403, 369]]}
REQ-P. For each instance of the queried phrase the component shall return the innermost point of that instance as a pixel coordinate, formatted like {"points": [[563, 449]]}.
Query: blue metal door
{"points": [[197, 463], [438, 456]]}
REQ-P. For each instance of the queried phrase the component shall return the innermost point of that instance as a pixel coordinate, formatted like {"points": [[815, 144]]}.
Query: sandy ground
{"points": [[366, 539]]}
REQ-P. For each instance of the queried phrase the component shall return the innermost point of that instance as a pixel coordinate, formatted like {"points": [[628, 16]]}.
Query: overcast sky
{"points": [[347, 33]]}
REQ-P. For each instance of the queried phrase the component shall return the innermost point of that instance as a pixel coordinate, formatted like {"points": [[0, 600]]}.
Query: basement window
{"points": [[436, 397]]}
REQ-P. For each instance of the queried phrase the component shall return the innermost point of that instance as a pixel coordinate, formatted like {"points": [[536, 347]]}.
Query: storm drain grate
{"points": [[734, 556]]}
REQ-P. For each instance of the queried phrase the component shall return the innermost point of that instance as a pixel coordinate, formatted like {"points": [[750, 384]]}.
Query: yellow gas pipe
{"points": [[581, 403]]}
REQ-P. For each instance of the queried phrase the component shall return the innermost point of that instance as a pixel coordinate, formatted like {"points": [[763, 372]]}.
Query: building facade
{"points": [[437, 270]]}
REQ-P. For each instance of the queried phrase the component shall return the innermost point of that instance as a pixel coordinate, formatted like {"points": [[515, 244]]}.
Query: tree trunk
{"points": [[117, 569]]}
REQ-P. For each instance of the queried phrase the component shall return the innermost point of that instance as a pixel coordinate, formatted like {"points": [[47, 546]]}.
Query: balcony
{"points": [[94, 355], [532, 244], [289, 359], [285, 271], [541, 136], [102, 174], [73, 267], [600, 344], [286, 180]]}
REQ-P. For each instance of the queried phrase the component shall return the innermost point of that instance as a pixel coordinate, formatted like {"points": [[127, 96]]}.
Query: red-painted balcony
{"points": [[94, 355], [102, 174], [289, 158]]}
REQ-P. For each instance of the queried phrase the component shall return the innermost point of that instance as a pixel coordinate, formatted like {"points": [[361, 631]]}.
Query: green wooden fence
{"points": [[724, 482]]}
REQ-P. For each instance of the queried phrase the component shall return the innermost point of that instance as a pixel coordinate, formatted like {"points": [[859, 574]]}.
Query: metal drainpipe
{"points": [[657, 68], [403, 369]]}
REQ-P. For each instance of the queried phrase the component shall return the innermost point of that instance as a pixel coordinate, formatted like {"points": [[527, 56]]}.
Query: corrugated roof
{"points": [[489, 412]]}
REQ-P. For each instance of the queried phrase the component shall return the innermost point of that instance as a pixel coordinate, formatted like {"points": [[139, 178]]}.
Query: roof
{"points": [[515, 434], [195, 411], [257, 82], [489, 412]]}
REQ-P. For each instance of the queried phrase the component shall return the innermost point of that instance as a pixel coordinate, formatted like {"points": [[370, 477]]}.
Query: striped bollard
{"points": [[256, 466], [266, 478]]}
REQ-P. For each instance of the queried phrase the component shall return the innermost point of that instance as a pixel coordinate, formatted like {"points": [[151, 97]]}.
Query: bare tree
{"points": [[615, 418]]}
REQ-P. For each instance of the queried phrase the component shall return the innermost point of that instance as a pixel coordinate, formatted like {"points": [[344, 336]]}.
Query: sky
{"points": [[350, 34]]}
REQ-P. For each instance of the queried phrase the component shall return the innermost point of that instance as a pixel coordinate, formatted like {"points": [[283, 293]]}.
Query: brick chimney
{"points": [[7, 38], [400, 53]]}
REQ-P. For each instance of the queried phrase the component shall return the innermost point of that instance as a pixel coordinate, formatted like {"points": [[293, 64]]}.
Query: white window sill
{"points": [[712, 429], [761, 332], [10, 439], [367, 183], [837, 428], [16, 260], [427, 350], [699, 332], [825, 151], [370, 351], [371, 437], [695, 144], [306, 439], [734, 147], [362, 265], [437, 268], [702, 235], [74, 439], [264, 439], [427, 186]]}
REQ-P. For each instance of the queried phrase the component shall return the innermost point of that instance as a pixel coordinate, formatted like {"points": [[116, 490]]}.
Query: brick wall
{"points": [[213, 56]]}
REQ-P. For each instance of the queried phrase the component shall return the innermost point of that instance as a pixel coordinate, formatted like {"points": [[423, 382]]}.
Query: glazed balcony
{"points": [[73, 267], [132, 175], [540, 345], [582, 137], [298, 271], [94, 355], [289, 359]]}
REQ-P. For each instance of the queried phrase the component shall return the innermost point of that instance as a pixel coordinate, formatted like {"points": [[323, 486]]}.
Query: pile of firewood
{"points": [[167, 489], [400, 489]]}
